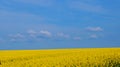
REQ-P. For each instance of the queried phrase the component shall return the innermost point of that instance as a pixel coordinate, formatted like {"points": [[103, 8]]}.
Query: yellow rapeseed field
{"points": [[90, 57]]}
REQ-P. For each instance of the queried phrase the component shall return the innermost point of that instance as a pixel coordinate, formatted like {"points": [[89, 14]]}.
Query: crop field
{"points": [[89, 57]]}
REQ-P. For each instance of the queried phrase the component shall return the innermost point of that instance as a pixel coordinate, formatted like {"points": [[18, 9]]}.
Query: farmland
{"points": [[89, 57]]}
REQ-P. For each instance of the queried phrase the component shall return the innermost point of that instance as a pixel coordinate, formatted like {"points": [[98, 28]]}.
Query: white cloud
{"points": [[46, 33], [96, 29], [31, 32], [39, 34], [18, 35], [63, 35]]}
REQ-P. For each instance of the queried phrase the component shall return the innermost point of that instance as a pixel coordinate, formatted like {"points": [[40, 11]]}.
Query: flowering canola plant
{"points": [[89, 57]]}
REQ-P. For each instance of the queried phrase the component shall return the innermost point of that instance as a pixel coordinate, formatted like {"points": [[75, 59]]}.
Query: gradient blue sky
{"points": [[39, 24]]}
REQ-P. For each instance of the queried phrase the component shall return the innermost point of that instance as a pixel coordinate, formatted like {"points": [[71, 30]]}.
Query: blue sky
{"points": [[39, 24]]}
